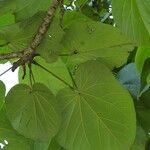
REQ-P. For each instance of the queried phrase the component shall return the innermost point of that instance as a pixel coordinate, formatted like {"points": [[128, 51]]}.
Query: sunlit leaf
{"points": [[131, 17], [99, 114]]}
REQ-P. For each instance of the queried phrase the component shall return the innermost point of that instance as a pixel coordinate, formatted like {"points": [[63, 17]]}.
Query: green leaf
{"points": [[142, 54], [86, 40], [131, 18], [2, 94], [6, 19], [142, 61], [145, 75], [143, 6], [99, 114], [41, 145], [19, 35], [33, 112], [140, 139], [11, 136], [42, 76], [54, 145], [28, 8], [7, 6], [50, 47]]}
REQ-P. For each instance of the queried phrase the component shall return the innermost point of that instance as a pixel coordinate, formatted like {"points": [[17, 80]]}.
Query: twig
{"points": [[10, 55], [29, 53]]}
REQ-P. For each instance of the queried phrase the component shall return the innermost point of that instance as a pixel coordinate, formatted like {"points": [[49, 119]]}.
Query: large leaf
{"points": [[46, 78], [99, 114], [2, 94], [86, 39], [9, 138], [33, 112], [131, 17]]}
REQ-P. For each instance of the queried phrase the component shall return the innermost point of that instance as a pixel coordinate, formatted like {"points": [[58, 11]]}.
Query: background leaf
{"points": [[13, 139], [131, 17], [140, 140]]}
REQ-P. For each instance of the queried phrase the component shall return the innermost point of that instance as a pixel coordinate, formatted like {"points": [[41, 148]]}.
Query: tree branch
{"points": [[10, 55], [28, 54]]}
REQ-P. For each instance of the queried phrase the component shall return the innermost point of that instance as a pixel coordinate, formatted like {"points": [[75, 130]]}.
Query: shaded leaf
{"points": [[143, 115], [7, 6], [140, 139], [9, 138], [33, 112], [28, 8], [99, 114]]}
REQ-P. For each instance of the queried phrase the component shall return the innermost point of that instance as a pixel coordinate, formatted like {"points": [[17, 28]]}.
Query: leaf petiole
{"points": [[35, 63]]}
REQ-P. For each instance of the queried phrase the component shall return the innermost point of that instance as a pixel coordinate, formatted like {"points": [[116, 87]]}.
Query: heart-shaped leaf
{"points": [[99, 114], [33, 112]]}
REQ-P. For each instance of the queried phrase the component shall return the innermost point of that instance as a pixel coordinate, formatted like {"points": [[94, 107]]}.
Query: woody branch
{"points": [[28, 54]]}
